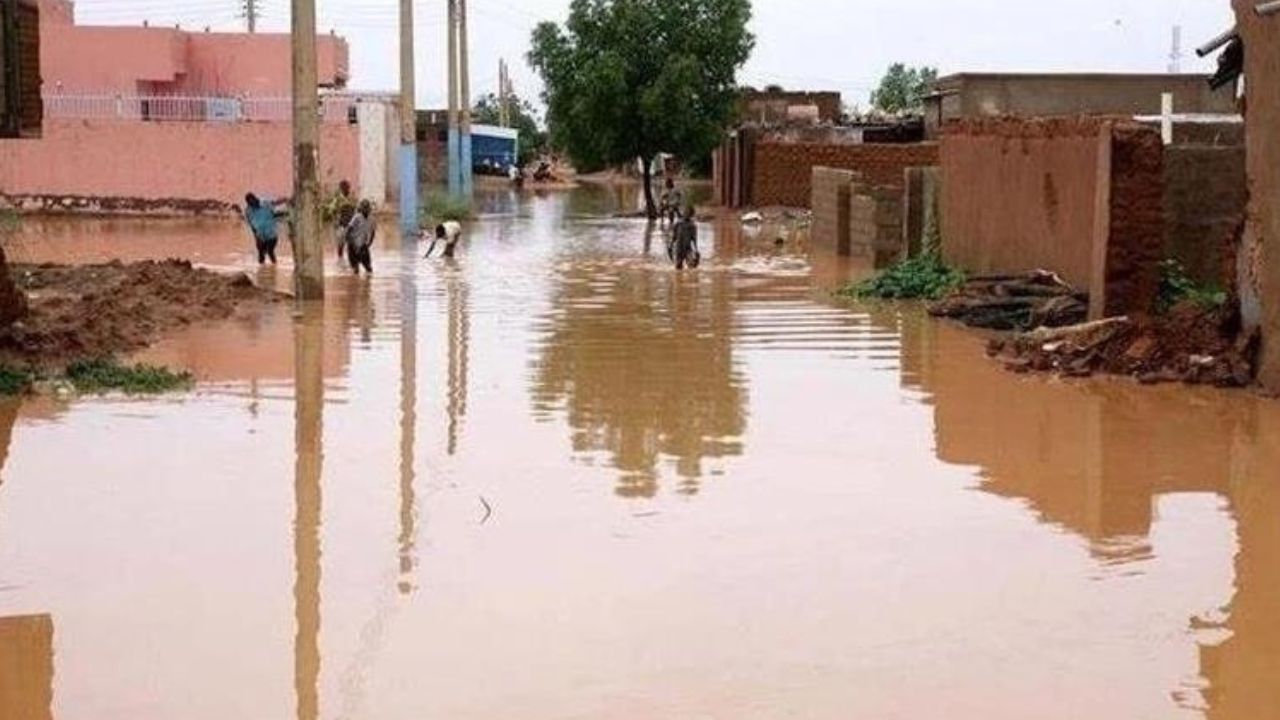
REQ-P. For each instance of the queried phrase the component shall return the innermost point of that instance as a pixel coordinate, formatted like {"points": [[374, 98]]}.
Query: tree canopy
{"points": [[629, 79], [533, 140], [903, 89]]}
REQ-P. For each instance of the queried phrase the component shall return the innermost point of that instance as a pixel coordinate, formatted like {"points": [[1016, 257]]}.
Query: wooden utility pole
{"points": [[308, 274], [465, 98], [454, 154], [251, 14], [408, 127]]}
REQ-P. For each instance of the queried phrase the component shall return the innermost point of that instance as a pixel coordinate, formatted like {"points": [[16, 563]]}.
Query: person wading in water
{"points": [[358, 238], [684, 241], [261, 218]]}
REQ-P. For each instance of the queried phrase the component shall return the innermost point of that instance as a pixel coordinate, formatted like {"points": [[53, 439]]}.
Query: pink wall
{"points": [[191, 161], [99, 59]]}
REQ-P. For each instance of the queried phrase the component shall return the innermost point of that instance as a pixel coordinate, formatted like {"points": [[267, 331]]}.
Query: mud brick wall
{"points": [[1083, 198], [1259, 266], [783, 172], [1204, 203], [831, 194], [875, 217], [1135, 243]]}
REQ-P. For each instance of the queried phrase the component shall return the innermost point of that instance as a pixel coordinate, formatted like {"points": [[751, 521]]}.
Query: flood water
{"points": [[556, 479]]}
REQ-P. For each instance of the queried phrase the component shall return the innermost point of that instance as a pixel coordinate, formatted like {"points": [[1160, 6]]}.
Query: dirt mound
{"points": [[89, 311], [1190, 344]]}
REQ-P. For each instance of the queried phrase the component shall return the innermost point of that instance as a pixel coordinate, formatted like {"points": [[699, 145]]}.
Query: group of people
{"points": [[354, 226]]}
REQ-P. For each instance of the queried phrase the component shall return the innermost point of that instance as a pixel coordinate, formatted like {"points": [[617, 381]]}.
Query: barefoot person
{"points": [[261, 218], [684, 241], [447, 232], [358, 238]]}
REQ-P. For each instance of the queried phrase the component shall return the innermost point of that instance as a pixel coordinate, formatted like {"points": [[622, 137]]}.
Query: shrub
{"points": [[106, 374], [925, 277], [1177, 286], [438, 207]]}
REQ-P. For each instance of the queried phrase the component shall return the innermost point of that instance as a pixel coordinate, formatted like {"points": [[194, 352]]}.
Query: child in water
{"points": [[358, 238], [684, 241]]}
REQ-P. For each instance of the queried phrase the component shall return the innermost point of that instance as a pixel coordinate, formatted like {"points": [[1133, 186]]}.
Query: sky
{"points": [[840, 45]]}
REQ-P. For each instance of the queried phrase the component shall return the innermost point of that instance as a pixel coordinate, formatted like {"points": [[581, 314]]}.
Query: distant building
{"points": [[144, 119], [144, 60], [774, 106], [972, 95], [20, 107]]}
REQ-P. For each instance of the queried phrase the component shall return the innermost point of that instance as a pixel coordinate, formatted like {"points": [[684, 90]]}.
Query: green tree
{"points": [[903, 89], [533, 139], [628, 79]]}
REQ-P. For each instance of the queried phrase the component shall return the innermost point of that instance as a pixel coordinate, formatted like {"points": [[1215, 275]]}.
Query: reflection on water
{"points": [[26, 667], [308, 469], [1100, 460], [642, 364], [830, 511]]}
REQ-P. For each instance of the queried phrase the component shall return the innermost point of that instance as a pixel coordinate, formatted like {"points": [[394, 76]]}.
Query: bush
{"points": [[104, 375], [925, 277], [1177, 287], [439, 207], [15, 381]]}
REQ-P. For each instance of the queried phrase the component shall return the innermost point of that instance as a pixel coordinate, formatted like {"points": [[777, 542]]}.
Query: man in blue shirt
{"points": [[262, 221]]}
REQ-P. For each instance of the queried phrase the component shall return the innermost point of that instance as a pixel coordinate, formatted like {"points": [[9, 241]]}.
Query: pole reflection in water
{"points": [[408, 417], [459, 351], [309, 437], [26, 667]]}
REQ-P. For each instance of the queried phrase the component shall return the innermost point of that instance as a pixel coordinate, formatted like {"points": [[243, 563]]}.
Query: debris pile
{"points": [[93, 311], [1014, 302], [1192, 343]]}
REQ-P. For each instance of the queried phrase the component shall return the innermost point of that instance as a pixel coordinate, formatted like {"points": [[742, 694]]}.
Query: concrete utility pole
{"points": [[251, 14], [454, 153], [465, 98], [408, 127], [308, 273]]}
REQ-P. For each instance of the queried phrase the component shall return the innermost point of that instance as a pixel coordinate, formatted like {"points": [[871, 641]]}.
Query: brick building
{"points": [[1260, 256], [978, 95], [20, 108]]}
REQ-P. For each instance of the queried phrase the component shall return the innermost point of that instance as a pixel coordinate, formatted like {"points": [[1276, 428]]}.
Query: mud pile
{"points": [[1190, 344], [90, 311], [1014, 302]]}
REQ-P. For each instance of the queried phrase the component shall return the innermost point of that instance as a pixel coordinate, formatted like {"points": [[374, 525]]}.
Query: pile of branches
{"points": [[1014, 302]]}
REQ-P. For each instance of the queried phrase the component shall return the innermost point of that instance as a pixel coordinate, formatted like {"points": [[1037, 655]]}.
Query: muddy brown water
{"points": [[554, 479]]}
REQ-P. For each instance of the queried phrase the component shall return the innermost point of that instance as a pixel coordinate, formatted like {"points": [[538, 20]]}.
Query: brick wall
{"points": [[1083, 198], [783, 172], [875, 218], [1260, 251], [831, 205], [1204, 200]]}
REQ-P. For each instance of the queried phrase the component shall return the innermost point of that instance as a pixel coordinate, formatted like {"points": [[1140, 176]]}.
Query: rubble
{"points": [[1192, 344], [1014, 302]]}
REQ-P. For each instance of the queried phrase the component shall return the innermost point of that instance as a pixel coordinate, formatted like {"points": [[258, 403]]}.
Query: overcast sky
{"points": [[804, 44]]}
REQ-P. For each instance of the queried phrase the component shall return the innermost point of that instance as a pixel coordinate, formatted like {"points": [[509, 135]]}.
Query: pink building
{"points": [[161, 119], [169, 61]]}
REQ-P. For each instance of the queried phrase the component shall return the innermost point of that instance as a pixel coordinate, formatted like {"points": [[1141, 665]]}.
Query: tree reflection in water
{"points": [[641, 361]]}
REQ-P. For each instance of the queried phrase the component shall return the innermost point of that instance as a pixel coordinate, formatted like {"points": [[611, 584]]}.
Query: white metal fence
{"points": [[162, 108]]}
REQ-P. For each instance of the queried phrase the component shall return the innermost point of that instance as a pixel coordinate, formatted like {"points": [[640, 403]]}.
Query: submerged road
{"points": [[556, 479]]}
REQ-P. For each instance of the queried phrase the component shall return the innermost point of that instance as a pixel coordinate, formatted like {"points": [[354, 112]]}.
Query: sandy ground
{"points": [[89, 311]]}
